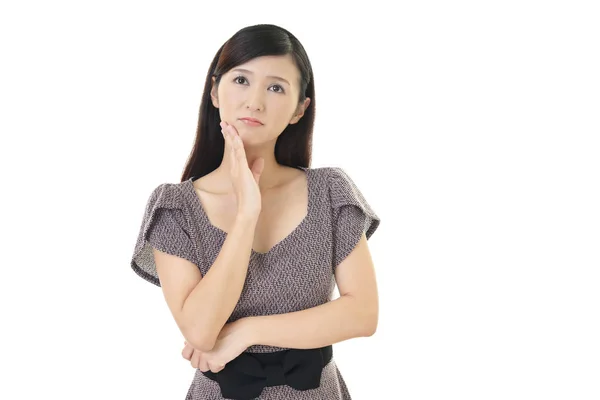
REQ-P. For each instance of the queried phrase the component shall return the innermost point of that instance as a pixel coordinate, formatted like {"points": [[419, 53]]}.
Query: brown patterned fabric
{"points": [[295, 274]]}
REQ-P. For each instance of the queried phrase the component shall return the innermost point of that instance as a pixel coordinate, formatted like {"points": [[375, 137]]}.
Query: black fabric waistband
{"points": [[245, 377]]}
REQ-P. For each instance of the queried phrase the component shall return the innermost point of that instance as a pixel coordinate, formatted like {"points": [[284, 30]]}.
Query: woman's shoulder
{"points": [[167, 195], [349, 204], [335, 178]]}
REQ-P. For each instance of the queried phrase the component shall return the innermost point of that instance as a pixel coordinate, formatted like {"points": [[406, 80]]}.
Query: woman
{"points": [[249, 245]]}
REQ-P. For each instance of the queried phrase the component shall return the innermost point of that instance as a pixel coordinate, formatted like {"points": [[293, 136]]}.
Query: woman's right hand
{"points": [[198, 360], [243, 177]]}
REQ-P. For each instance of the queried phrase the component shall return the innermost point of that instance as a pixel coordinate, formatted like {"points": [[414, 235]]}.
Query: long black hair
{"points": [[294, 146]]}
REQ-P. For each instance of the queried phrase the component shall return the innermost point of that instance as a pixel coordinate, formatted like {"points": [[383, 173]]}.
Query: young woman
{"points": [[249, 246]]}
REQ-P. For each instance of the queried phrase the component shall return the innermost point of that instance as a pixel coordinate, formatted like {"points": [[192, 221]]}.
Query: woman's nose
{"points": [[255, 100]]}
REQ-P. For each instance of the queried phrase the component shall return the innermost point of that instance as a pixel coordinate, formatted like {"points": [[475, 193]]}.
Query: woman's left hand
{"points": [[232, 341]]}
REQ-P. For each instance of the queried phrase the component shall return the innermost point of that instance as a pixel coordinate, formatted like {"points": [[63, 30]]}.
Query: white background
{"points": [[471, 128]]}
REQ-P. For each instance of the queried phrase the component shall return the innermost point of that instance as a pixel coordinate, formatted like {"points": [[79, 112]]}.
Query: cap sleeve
{"points": [[352, 215], [164, 227]]}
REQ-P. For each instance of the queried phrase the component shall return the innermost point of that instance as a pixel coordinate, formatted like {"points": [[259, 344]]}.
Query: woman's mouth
{"points": [[250, 122]]}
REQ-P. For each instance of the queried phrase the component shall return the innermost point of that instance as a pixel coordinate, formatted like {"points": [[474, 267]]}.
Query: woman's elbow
{"points": [[370, 327], [200, 341], [369, 322], [202, 345]]}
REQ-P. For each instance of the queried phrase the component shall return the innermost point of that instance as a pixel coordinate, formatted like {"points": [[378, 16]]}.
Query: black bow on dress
{"points": [[245, 377]]}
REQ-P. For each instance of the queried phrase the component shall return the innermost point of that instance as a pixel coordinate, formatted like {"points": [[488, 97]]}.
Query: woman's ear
{"points": [[300, 111], [214, 93]]}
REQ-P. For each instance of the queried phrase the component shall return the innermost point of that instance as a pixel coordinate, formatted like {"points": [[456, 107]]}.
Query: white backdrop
{"points": [[470, 127]]}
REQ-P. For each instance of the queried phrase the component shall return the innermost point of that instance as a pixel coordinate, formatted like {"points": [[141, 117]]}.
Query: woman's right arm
{"points": [[202, 305]]}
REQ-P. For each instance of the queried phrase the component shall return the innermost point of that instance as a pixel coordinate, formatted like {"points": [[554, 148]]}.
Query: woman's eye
{"points": [[237, 80]]}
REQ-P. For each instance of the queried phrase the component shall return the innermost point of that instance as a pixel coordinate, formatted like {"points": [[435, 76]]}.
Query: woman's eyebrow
{"points": [[270, 76]]}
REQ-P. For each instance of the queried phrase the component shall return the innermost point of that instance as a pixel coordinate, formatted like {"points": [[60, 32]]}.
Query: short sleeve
{"points": [[351, 215], [165, 227]]}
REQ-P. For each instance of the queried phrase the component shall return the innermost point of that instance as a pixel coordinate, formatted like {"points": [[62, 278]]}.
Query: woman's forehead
{"points": [[281, 67]]}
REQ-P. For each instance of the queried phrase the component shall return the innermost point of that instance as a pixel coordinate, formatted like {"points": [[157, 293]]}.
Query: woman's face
{"points": [[265, 88]]}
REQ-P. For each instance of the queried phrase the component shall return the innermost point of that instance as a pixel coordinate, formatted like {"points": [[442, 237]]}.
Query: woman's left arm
{"points": [[354, 314]]}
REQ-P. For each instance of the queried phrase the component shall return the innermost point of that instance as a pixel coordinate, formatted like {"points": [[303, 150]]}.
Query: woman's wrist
{"points": [[250, 331], [246, 218]]}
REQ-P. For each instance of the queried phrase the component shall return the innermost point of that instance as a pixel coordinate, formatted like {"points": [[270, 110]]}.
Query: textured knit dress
{"points": [[295, 274]]}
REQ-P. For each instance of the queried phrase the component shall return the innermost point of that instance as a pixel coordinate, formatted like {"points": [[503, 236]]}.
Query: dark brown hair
{"points": [[294, 146]]}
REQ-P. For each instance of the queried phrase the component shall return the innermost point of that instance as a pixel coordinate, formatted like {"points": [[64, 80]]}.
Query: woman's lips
{"points": [[250, 122]]}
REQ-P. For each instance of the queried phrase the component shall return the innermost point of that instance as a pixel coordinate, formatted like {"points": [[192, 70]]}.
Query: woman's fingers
{"points": [[236, 144], [196, 358], [187, 352], [226, 138], [215, 367], [240, 153], [200, 360], [203, 366], [229, 147]]}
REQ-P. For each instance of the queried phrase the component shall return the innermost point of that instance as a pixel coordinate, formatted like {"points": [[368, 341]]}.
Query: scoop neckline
{"points": [[277, 245]]}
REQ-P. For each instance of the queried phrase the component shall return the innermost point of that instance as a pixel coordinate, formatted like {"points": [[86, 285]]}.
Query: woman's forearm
{"points": [[212, 301], [329, 323]]}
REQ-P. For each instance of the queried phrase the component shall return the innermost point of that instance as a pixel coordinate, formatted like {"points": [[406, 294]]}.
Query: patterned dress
{"points": [[295, 274]]}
